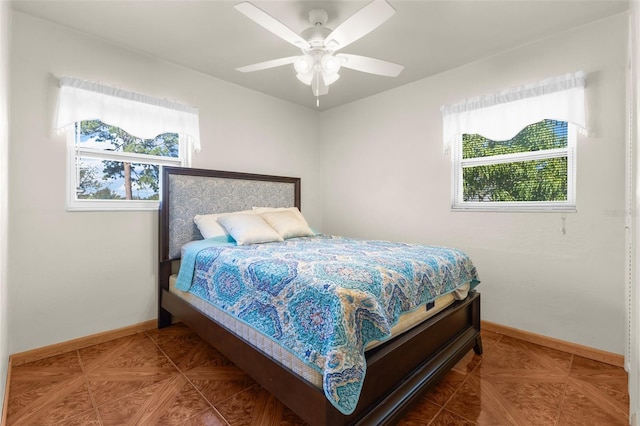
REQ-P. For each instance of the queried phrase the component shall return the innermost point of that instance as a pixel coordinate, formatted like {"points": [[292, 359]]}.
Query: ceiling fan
{"points": [[319, 64]]}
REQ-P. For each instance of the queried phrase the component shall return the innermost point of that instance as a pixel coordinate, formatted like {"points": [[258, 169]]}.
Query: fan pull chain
{"points": [[317, 87]]}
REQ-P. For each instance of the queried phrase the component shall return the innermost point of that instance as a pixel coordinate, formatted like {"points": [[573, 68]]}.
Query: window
{"points": [[118, 142], [506, 151], [109, 169], [535, 170]]}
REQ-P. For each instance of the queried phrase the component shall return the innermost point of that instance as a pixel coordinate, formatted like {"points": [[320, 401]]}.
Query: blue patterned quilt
{"points": [[324, 298]]}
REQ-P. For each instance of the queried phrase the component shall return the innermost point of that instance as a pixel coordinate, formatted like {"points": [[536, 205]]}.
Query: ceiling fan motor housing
{"points": [[316, 36], [318, 32]]}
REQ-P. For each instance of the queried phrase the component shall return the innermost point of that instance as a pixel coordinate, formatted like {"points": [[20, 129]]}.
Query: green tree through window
{"points": [[111, 164], [534, 167]]}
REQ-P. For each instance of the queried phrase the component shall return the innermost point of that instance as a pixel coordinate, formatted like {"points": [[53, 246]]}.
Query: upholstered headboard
{"points": [[187, 192]]}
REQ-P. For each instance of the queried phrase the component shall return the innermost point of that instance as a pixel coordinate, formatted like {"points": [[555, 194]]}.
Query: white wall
{"points": [[74, 274], [5, 18], [385, 176]]}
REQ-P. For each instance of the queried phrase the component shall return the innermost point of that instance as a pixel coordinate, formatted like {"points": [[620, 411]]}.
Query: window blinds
{"points": [[139, 115]]}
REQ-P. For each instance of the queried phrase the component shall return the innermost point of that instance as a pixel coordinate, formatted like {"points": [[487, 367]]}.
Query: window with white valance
{"points": [[515, 149], [502, 115], [137, 114], [118, 141]]}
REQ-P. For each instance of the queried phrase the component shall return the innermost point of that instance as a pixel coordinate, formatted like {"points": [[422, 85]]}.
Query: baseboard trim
{"points": [[80, 343], [5, 402], [561, 345]]}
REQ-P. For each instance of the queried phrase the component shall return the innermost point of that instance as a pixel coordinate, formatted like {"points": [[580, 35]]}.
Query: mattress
{"points": [[286, 358]]}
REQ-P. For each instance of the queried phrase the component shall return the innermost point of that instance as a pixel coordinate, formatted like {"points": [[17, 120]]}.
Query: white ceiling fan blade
{"points": [[359, 24], [272, 24], [370, 65], [268, 64]]}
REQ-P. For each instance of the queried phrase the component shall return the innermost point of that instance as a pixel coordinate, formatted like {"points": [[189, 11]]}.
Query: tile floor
{"points": [[172, 377]]}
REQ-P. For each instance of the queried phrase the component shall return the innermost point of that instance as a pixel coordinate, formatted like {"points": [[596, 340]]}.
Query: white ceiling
{"points": [[426, 36]]}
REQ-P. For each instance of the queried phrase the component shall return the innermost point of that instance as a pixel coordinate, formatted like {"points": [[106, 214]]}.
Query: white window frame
{"points": [[74, 151], [458, 164]]}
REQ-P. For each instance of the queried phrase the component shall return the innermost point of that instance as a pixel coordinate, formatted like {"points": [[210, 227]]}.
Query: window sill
{"points": [[111, 205], [511, 208]]}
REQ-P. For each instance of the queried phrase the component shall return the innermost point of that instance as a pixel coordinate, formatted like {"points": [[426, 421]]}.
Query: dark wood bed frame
{"points": [[397, 372]]}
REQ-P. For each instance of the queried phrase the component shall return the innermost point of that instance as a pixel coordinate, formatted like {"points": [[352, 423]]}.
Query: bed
{"points": [[398, 370]]}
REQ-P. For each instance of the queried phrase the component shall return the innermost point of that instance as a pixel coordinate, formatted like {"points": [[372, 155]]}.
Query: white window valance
{"points": [[139, 115], [502, 115]]}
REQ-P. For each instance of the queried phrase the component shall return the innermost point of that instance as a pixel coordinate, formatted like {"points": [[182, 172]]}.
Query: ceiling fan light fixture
{"points": [[304, 64], [330, 65], [330, 78], [305, 78]]}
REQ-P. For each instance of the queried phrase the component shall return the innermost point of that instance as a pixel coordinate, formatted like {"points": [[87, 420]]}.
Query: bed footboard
{"points": [[397, 372]]}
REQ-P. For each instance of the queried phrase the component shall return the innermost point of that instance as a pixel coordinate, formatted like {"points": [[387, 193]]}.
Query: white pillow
{"points": [[248, 229], [295, 210], [208, 223], [287, 224]]}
